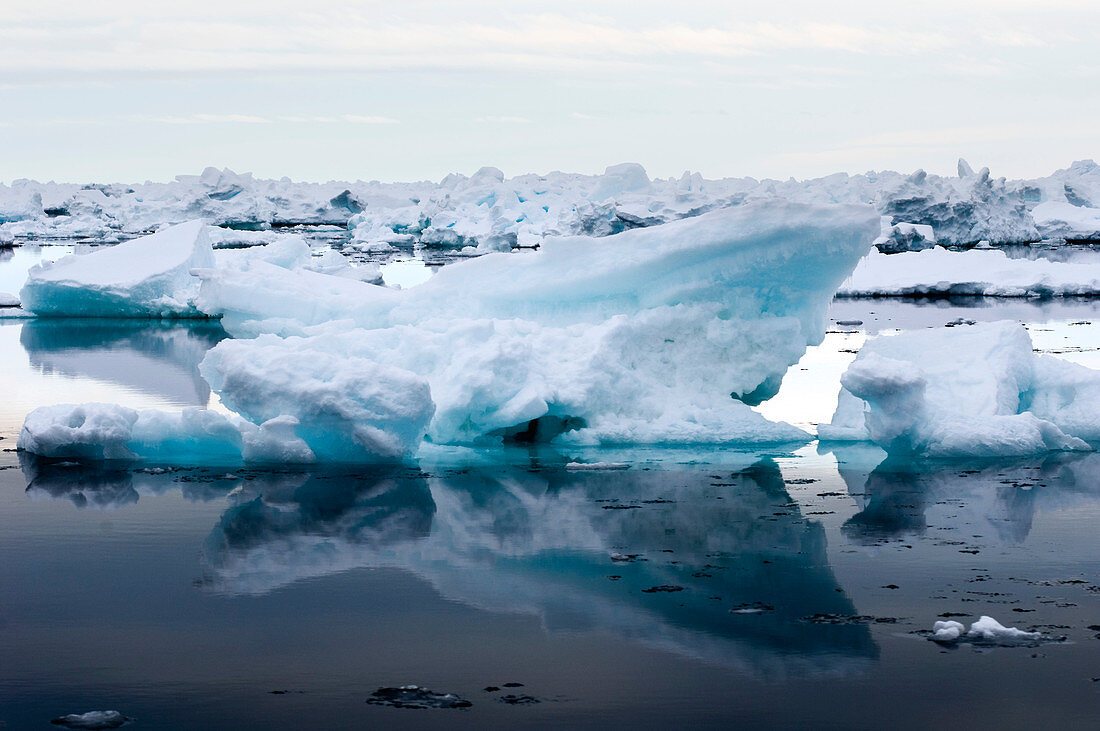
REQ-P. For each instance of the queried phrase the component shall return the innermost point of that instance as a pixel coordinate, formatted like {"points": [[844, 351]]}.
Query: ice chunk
{"points": [[145, 277], [965, 391], [1057, 220], [986, 631], [991, 630], [905, 237], [193, 436], [986, 273], [948, 631], [92, 720], [8, 300], [349, 409]]}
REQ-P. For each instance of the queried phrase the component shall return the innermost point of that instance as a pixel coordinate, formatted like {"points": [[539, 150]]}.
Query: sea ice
{"points": [[986, 631], [145, 277], [488, 211], [92, 720], [966, 391], [659, 335], [638, 338], [94, 431], [986, 273]]}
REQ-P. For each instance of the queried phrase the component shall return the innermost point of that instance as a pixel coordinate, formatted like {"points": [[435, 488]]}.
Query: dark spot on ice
{"points": [[518, 700], [891, 586], [415, 697], [542, 429], [513, 685], [663, 588], [490, 689]]}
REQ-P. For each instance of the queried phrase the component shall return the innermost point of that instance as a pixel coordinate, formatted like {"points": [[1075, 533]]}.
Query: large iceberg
{"points": [[972, 391], [659, 335]]}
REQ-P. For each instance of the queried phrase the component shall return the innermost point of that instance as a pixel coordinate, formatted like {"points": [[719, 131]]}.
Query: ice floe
{"points": [[966, 391], [939, 272], [150, 277]]}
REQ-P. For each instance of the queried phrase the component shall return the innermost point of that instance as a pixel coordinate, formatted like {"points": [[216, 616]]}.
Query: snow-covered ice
{"points": [[986, 631], [489, 211], [149, 276], [988, 273], [972, 391], [657, 335], [92, 720], [193, 436]]}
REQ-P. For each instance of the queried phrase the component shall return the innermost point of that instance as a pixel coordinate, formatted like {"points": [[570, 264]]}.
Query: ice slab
{"points": [[145, 277], [95, 432], [990, 273], [965, 392]]}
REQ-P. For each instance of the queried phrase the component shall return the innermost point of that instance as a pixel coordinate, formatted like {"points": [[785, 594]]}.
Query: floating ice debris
{"points": [[413, 696], [948, 631], [92, 720], [986, 631], [8, 300], [965, 391]]}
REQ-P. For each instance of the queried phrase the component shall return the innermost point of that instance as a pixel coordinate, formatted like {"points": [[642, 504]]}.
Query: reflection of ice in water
{"points": [[997, 499], [153, 358], [657, 556]]}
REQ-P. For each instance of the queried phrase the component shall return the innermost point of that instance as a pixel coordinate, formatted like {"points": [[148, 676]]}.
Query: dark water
{"points": [[699, 588]]}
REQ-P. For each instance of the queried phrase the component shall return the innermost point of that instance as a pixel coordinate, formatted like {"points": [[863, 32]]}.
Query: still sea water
{"points": [[778, 588]]}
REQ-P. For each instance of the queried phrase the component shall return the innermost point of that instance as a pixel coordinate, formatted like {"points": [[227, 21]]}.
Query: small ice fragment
{"points": [[92, 720], [948, 631], [990, 629]]}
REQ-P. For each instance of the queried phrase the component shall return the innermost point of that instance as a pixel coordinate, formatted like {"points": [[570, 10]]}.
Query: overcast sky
{"points": [[405, 90]]}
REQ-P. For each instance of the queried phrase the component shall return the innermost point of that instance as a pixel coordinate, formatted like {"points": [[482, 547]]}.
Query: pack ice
{"points": [[977, 391], [488, 211], [658, 335]]}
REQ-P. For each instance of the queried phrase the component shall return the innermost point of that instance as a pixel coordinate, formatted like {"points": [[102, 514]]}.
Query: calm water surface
{"points": [[702, 588]]}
